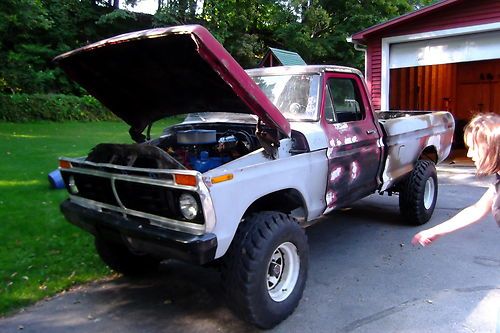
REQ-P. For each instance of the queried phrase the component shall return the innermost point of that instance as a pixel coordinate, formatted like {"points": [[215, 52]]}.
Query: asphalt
{"points": [[364, 276]]}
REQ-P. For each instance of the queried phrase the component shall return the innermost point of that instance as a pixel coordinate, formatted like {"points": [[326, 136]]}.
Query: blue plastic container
{"points": [[55, 179]]}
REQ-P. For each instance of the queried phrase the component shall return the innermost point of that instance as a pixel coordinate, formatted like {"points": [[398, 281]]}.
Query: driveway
{"points": [[364, 276]]}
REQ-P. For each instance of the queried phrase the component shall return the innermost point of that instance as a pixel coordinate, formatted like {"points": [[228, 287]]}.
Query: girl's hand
{"points": [[425, 237]]}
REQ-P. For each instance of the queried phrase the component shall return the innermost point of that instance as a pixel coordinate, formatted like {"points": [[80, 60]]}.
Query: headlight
{"points": [[188, 206]]}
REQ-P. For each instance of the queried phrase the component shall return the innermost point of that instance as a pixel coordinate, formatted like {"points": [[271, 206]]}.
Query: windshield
{"points": [[295, 95]]}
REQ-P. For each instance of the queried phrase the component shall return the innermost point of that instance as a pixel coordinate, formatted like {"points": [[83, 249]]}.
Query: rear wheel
{"points": [[122, 260], [265, 268], [418, 193]]}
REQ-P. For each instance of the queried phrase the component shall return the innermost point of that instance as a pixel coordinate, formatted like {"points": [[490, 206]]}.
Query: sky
{"points": [[150, 6], [144, 6]]}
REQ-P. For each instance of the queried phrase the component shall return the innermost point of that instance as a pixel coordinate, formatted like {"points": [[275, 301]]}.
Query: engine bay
{"points": [[182, 147], [200, 147], [203, 149]]}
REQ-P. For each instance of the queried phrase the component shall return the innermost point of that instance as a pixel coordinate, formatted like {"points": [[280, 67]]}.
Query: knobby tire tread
{"points": [[242, 260], [411, 200]]}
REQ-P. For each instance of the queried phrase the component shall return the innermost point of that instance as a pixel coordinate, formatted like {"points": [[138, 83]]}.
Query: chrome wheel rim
{"points": [[283, 271], [429, 192]]}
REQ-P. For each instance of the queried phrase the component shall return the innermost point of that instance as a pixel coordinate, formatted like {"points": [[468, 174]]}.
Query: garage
{"points": [[442, 57]]}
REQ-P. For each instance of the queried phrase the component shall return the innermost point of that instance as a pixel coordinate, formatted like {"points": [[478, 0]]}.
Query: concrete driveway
{"points": [[364, 276]]}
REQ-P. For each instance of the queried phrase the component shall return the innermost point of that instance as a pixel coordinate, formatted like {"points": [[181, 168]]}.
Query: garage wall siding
{"points": [[373, 71], [465, 14]]}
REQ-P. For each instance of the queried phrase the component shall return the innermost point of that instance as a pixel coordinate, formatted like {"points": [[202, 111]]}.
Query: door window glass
{"points": [[329, 112], [347, 102]]}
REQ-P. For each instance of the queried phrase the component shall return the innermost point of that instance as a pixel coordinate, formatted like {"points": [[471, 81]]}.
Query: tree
{"points": [[19, 21], [32, 32], [317, 29]]}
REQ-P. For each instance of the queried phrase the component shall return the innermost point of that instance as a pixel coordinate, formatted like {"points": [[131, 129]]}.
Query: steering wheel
{"points": [[296, 108]]}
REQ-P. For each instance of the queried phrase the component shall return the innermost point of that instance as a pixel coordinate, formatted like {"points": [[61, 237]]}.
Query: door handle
{"points": [[370, 131]]}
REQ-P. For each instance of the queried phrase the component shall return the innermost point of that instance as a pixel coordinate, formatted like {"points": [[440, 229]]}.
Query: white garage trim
{"points": [[386, 44], [448, 50]]}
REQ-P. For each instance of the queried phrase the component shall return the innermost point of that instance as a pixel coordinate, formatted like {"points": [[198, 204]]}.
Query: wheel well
{"points": [[429, 154], [285, 201]]}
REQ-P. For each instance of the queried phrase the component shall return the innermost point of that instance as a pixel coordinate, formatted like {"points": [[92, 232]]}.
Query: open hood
{"points": [[147, 75]]}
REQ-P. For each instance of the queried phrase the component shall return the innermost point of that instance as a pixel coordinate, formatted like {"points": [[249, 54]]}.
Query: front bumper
{"points": [[141, 236]]}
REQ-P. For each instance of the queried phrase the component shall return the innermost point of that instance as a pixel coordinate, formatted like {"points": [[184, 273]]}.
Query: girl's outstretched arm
{"points": [[467, 216]]}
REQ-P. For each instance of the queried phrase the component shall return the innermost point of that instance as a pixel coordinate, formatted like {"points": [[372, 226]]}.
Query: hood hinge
{"points": [[269, 141]]}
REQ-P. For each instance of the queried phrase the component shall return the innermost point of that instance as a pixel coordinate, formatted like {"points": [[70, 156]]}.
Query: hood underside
{"points": [[148, 75]]}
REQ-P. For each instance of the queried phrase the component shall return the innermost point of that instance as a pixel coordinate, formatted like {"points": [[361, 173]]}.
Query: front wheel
{"points": [[265, 268], [418, 193], [122, 260]]}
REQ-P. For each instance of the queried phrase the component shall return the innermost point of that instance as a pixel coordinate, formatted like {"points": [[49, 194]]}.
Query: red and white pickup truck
{"points": [[262, 154]]}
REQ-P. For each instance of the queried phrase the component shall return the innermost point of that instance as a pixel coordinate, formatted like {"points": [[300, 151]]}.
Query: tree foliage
{"points": [[32, 32]]}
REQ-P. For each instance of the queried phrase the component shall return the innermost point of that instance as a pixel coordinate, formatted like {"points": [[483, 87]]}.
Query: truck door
{"points": [[355, 148]]}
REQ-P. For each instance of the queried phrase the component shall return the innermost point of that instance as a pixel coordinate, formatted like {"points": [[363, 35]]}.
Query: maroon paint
{"points": [[353, 167], [88, 65], [217, 56]]}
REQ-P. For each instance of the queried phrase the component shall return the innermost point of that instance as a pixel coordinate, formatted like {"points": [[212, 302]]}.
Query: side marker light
{"points": [[223, 178]]}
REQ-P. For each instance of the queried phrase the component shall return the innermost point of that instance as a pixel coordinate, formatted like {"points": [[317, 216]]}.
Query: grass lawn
{"points": [[40, 253]]}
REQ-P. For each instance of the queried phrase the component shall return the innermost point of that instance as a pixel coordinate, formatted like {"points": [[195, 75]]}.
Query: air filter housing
{"points": [[196, 137]]}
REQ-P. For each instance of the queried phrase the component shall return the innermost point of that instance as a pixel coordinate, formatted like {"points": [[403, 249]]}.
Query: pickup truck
{"points": [[262, 154]]}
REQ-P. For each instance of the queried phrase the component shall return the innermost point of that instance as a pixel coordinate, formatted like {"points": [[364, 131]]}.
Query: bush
{"points": [[25, 107]]}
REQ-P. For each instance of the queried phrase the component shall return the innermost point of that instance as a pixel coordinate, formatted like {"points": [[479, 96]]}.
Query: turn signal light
{"points": [[188, 180], [65, 164]]}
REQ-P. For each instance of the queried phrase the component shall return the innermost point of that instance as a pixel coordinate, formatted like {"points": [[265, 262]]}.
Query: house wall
{"points": [[374, 71], [464, 14]]}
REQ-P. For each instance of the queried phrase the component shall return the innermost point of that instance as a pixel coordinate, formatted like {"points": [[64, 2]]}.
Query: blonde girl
{"points": [[482, 136]]}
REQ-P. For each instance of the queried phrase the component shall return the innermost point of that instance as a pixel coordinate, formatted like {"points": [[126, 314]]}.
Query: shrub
{"points": [[26, 107]]}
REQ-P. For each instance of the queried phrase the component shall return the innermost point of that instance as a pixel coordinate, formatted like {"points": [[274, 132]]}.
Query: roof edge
{"points": [[283, 51], [361, 36]]}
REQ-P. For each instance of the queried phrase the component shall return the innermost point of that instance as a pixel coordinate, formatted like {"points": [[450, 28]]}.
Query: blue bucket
{"points": [[55, 179]]}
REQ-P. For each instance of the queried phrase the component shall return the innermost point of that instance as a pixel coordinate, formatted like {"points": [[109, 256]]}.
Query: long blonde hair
{"points": [[484, 130]]}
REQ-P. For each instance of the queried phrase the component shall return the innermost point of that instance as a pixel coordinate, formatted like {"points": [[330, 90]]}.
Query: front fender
{"points": [[307, 173]]}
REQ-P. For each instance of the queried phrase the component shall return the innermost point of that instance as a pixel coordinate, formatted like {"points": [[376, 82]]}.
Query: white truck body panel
{"points": [[256, 176], [407, 136], [313, 132]]}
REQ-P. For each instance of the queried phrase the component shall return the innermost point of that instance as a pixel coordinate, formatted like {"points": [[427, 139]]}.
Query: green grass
{"points": [[40, 253]]}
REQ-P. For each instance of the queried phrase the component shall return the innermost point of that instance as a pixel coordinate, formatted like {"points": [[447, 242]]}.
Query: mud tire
{"points": [[418, 193], [247, 268], [120, 259]]}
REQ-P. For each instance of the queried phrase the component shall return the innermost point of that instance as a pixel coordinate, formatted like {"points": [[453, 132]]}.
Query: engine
{"points": [[181, 148], [205, 149]]}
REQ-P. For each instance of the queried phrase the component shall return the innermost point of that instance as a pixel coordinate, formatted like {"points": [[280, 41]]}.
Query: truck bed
{"points": [[386, 115], [408, 134]]}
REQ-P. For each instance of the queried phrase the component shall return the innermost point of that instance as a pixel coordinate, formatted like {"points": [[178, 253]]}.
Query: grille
{"points": [[92, 187], [129, 171], [147, 198]]}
